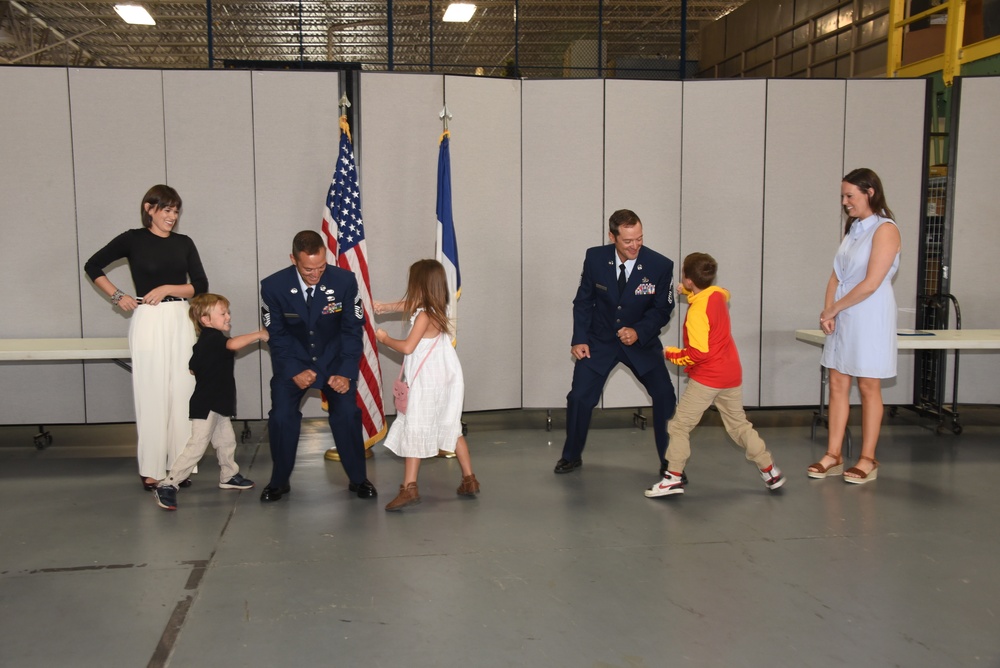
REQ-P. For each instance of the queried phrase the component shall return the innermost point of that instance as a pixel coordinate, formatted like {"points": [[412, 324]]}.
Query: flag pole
{"points": [[343, 227], [445, 116], [344, 104], [331, 454], [446, 250]]}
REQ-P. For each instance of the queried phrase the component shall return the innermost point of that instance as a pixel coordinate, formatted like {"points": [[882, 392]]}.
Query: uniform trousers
{"points": [[588, 383], [284, 422], [215, 429], [160, 339], [694, 402]]}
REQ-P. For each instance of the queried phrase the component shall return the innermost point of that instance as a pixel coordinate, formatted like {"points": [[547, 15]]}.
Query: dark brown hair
{"points": [[865, 179], [202, 305], [308, 242], [622, 218], [158, 197], [427, 288], [701, 268]]}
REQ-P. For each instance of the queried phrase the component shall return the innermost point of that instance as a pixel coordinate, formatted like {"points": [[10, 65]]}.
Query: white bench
{"points": [[42, 350], [22, 350], [938, 339]]}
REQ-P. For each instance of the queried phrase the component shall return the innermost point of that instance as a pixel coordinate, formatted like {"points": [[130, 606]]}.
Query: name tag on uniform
{"points": [[290, 315], [601, 287]]}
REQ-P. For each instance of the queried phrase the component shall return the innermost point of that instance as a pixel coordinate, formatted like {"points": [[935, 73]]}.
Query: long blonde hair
{"points": [[427, 288]]}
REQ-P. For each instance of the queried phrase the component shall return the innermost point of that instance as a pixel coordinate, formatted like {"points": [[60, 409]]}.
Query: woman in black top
{"points": [[166, 271]]}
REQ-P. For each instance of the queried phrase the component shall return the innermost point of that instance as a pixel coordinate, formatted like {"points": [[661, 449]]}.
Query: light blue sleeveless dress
{"points": [[863, 344]]}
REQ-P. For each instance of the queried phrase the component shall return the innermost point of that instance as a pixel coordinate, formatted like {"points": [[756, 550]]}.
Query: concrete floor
{"points": [[539, 570]]}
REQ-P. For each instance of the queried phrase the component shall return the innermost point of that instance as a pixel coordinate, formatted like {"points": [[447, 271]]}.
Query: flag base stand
{"points": [[332, 455]]}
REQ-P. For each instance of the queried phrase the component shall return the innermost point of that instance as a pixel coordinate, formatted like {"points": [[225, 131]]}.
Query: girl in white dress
{"points": [[433, 418], [859, 320]]}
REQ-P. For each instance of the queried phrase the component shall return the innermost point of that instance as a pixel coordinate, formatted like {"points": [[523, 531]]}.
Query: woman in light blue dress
{"points": [[859, 320]]}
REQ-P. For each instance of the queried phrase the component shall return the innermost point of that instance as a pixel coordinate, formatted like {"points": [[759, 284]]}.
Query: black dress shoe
{"points": [[274, 493], [567, 465], [364, 490], [184, 483]]}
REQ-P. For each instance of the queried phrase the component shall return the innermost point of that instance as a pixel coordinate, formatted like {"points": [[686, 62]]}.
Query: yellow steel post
{"points": [[953, 40], [897, 11]]}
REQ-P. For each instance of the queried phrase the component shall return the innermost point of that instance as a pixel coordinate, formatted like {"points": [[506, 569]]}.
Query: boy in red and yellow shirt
{"points": [[715, 376]]}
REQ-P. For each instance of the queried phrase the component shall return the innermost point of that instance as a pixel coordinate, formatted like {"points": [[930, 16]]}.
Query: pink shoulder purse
{"points": [[401, 388]]}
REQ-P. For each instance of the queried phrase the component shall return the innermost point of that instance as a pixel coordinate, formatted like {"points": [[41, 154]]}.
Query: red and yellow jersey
{"points": [[709, 354]]}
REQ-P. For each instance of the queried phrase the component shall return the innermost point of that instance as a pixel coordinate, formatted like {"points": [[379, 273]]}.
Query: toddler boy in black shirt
{"points": [[213, 402]]}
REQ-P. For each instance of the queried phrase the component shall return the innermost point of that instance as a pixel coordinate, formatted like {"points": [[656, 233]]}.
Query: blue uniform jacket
{"points": [[327, 337], [599, 311]]}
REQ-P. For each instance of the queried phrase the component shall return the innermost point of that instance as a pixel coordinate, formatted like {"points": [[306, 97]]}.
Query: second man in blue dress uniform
{"points": [[625, 298]]}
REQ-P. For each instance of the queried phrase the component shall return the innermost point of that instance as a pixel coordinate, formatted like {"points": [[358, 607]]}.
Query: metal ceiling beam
{"points": [[357, 30]]}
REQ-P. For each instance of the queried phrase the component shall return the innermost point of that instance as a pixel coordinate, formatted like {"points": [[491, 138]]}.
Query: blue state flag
{"points": [[447, 243]]}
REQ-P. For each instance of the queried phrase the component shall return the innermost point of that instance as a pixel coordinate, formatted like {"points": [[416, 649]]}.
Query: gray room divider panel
{"points": [[39, 244], [209, 141], [976, 236], [642, 172], [722, 201], [537, 167], [563, 215], [486, 197], [295, 120], [884, 130], [399, 119], [118, 154], [803, 225]]}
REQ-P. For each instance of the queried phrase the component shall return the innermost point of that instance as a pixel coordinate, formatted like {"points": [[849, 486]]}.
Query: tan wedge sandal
{"points": [[818, 471], [858, 476]]}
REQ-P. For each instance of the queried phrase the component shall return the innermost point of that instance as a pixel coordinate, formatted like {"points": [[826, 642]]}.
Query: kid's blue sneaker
{"points": [[166, 497], [236, 482]]}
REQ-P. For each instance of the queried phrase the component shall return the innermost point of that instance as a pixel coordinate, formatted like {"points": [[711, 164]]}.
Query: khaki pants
{"points": [[694, 402], [218, 430]]}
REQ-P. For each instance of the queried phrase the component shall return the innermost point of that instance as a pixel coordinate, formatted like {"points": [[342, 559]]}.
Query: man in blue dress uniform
{"points": [[315, 320], [625, 298]]}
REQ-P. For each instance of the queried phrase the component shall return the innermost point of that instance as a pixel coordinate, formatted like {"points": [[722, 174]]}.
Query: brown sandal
{"points": [[858, 476], [818, 471]]}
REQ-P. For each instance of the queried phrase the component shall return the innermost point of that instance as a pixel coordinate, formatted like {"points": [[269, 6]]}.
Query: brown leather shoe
{"points": [[469, 486], [409, 495]]}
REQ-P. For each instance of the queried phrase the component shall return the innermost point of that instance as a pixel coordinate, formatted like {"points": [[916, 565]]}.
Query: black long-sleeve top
{"points": [[152, 260], [213, 365]]}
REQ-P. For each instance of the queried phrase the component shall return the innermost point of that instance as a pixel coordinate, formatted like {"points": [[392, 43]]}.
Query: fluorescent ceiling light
{"points": [[135, 14], [459, 12]]}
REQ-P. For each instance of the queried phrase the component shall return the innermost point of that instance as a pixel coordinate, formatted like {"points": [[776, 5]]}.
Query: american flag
{"points": [[344, 231]]}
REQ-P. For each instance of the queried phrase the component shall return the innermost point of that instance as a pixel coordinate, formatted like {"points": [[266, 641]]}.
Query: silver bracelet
{"points": [[117, 297]]}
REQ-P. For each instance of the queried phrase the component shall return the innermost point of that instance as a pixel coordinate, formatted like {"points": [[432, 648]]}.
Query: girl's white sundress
{"points": [[863, 343], [433, 419]]}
